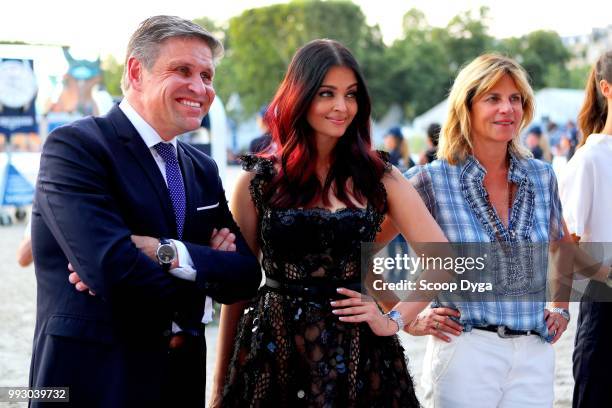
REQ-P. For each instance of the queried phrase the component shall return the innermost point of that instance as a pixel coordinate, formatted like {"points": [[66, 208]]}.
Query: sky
{"points": [[103, 27]]}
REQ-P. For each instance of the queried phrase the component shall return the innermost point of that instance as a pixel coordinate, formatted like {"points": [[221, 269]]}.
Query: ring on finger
{"points": [[437, 325]]}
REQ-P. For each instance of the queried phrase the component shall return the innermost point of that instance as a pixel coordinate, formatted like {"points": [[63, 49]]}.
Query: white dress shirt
{"points": [[586, 190], [185, 269]]}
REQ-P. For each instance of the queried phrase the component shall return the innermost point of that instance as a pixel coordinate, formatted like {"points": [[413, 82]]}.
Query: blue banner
{"points": [[17, 190], [18, 89]]}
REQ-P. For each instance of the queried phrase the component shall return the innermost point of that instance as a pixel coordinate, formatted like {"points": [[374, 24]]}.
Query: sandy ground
{"points": [[17, 316]]}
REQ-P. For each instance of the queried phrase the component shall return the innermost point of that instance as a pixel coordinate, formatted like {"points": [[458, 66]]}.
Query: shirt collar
{"points": [[516, 172], [146, 131]]}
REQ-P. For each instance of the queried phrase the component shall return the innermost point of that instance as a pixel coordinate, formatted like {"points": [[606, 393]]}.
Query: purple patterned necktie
{"points": [[175, 184]]}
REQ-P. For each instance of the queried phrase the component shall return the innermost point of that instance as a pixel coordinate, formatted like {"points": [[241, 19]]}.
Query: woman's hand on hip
{"points": [[360, 308]]}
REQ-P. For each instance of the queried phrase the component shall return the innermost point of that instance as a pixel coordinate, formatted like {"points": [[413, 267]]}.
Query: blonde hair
{"points": [[475, 79]]}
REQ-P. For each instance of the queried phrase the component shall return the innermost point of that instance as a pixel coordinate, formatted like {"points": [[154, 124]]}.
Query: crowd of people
{"points": [[132, 236]]}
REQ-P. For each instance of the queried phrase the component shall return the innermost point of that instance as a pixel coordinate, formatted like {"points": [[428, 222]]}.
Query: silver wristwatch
{"points": [[166, 253], [563, 312], [396, 316]]}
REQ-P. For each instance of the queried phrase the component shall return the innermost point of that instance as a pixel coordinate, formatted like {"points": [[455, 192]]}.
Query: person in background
{"points": [[574, 137], [24, 251], [397, 147], [561, 154], [586, 194], [433, 135], [532, 141], [399, 154], [547, 155], [553, 133], [262, 142]]}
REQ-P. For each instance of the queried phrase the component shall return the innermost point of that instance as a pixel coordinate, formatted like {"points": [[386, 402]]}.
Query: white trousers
{"points": [[478, 369]]}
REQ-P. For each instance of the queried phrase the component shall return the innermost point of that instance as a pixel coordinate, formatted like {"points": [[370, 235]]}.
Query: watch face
{"points": [[166, 253], [17, 83]]}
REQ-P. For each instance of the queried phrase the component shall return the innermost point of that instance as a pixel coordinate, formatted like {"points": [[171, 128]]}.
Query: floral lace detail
{"points": [[293, 351]]}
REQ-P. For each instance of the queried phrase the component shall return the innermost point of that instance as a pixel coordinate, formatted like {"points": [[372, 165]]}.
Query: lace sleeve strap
{"points": [[264, 172], [384, 156]]}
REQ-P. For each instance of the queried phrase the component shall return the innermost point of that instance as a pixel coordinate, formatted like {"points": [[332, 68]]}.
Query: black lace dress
{"points": [[291, 350]]}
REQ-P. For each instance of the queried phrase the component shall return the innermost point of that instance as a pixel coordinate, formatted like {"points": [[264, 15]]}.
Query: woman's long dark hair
{"points": [[296, 184], [594, 111]]}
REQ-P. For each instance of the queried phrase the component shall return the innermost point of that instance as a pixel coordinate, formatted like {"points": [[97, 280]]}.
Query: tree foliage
{"points": [[415, 72], [211, 26], [543, 56], [112, 70], [422, 64], [260, 43], [417, 67]]}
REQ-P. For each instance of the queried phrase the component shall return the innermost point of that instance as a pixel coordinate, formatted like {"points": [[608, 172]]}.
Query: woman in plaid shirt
{"points": [[485, 188]]}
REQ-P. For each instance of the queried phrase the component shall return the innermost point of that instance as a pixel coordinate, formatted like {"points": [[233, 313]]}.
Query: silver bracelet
{"points": [[396, 316], [563, 312]]}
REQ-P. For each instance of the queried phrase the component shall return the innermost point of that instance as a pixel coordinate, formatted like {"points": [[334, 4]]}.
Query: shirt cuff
{"points": [[209, 311], [186, 268]]}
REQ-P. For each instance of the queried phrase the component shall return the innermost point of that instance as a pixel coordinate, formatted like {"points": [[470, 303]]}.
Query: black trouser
{"points": [[593, 349], [186, 385]]}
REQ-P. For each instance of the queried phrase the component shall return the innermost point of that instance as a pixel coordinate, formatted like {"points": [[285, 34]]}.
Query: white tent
{"points": [[437, 114], [558, 105], [555, 104]]}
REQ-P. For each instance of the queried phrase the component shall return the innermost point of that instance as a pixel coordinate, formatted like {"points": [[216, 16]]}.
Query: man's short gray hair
{"points": [[145, 43]]}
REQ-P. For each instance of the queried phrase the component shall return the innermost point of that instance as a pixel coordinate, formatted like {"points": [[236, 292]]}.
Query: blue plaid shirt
{"points": [[456, 197]]}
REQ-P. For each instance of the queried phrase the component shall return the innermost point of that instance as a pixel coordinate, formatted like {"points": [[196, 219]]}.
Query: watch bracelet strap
{"points": [[562, 311], [399, 321]]}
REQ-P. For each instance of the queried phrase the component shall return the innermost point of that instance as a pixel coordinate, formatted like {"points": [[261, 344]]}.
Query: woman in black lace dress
{"points": [[306, 208]]}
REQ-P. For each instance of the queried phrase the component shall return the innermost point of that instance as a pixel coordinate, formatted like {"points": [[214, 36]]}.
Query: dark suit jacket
{"points": [[98, 184]]}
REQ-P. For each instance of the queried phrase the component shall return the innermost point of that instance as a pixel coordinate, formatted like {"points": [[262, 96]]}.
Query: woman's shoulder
{"points": [[386, 158], [587, 160], [596, 149], [535, 169], [429, 170], [540, 173], [262, 166], [531, 164]]}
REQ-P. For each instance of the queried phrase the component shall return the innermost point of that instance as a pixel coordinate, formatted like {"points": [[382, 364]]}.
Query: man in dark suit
{"points": [[133, 211]]}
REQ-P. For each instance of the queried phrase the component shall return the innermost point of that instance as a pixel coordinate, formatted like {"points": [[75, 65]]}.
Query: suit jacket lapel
{"points": [[142, 155], [190, 188]]}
